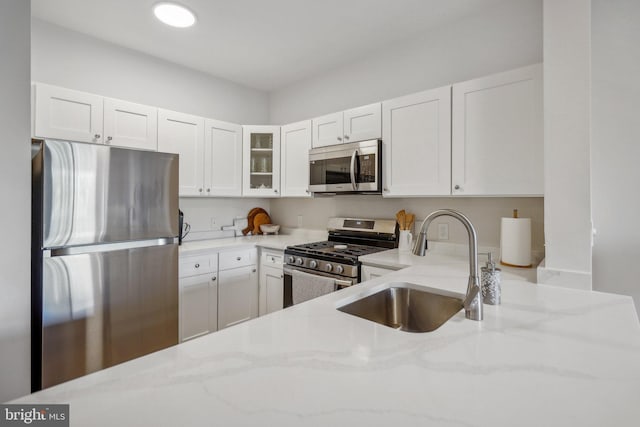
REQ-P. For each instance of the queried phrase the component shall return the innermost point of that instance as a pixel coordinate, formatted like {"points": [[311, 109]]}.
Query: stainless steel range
{"points": [[338, 257]]}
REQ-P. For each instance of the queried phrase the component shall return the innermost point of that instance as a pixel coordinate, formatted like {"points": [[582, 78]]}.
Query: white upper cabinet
{"points": [[67, 114], [295, 145], [497, 136], [223, 159], [183, 134], [362, 123], [261, 161], [356, 124], [130, 125], [417, 144], [210, 153], [327, 130]]}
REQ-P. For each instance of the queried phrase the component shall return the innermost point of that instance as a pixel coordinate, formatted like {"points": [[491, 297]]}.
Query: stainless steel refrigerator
{"points": [[104, 257]]}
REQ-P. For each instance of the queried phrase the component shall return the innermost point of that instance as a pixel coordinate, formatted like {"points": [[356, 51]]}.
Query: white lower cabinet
{"points": [[271, 281], [237, 296], [215, 295], [198, 306], [370, 272], [198, 295]]}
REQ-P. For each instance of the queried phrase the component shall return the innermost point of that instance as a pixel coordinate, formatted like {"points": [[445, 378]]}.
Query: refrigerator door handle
{"points": [[107, 247]]}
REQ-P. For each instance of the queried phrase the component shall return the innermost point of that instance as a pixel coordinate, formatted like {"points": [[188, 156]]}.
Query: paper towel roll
{"points": [[515, 242]]}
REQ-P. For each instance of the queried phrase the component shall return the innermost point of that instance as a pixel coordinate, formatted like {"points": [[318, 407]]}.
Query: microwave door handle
{"points": [[354, 184]]}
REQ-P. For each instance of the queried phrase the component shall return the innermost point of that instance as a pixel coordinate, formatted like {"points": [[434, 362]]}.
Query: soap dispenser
{"points": [[490, 279]]}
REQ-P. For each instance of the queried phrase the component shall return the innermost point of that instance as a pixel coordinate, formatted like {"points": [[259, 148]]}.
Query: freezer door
{"points": [[103, 308], [91, 194]]}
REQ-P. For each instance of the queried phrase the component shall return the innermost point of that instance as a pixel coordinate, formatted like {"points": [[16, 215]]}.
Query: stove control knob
{"points": [[339, 269], [313, 264], [328, 267], [291, 260], [299, 261]]}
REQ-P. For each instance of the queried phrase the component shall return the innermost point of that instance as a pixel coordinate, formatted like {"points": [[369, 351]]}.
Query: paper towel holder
{"points": [[507, 264]]}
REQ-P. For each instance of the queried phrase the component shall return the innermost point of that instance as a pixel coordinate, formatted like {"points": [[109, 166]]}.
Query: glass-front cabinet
{"points": [[261, 161]]}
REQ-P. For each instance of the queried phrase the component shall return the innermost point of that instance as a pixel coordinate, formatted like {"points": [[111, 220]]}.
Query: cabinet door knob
{"points": [[197, 266], [281, 276], [346, 137], [238, 259], [307, 191], [208, 190], [96, 136], [213, 279], [275, 191], [200, 190], [457, 187], [339, 139], [253, 271], [109, 138]]}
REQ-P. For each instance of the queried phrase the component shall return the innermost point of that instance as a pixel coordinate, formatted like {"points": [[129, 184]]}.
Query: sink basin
{"points": [[406, 307]]}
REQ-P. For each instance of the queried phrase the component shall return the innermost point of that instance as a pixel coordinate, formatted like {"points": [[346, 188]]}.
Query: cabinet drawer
{"points": [[237, 258], [270, 259], [198, 264]]}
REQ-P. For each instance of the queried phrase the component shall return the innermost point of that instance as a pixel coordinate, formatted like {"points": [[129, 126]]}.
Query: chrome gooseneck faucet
{"points": [[473, 300]]}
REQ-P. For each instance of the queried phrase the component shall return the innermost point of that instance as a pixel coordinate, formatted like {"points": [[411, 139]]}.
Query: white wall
{"points": [[15, 190], [615, 146], [567, 99], [500, 38], [74, 60], [484, 212], [208, 216]]}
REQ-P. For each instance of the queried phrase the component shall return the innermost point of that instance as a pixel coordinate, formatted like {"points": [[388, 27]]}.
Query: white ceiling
{"points": [[264, 44]]}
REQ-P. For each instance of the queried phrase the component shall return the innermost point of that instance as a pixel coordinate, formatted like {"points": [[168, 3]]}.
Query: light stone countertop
{"points": [[547, 356], [278, 241], [443, 254]]}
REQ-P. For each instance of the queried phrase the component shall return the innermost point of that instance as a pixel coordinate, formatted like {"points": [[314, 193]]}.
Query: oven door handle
{"points": [[338, 282], [344, 283], [354, 184]]}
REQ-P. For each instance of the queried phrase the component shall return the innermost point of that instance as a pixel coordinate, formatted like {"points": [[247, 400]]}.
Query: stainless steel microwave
{"points": [[346, 168]]}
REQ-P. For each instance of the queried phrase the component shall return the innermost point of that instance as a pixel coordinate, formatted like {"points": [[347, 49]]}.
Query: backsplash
{"points": [[484, 212], [207, 216]]}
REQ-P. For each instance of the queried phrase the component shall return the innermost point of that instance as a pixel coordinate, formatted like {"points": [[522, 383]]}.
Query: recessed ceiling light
{"points": [[175, 15]]}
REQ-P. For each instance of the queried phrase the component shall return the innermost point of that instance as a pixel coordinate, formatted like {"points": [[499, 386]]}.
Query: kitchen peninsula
{"points": [[547, 356]]}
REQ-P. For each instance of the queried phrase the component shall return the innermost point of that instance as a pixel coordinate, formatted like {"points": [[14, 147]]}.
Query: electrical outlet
{"points": [[213, 223], [299, 221], [443, 231]]}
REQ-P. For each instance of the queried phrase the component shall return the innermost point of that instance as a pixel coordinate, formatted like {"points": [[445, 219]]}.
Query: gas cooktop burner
{"points": [[336, 249]]}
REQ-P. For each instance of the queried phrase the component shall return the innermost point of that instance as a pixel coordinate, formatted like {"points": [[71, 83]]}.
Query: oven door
{"points": [[341, 282], [346, 168]]}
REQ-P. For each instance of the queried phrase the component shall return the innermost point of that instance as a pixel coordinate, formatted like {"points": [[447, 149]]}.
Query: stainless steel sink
{"points": [[406, 307]]}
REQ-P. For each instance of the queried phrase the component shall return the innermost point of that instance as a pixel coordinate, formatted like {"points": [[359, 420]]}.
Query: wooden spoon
{"points": [[410, 220], [400, 217]]}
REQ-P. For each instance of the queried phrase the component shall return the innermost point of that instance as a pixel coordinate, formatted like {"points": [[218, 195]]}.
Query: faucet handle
{"points": [[470, 297]]}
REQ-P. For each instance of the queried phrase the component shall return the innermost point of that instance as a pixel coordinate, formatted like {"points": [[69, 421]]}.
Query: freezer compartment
{"points": [[103, 308], [89, 194]]}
